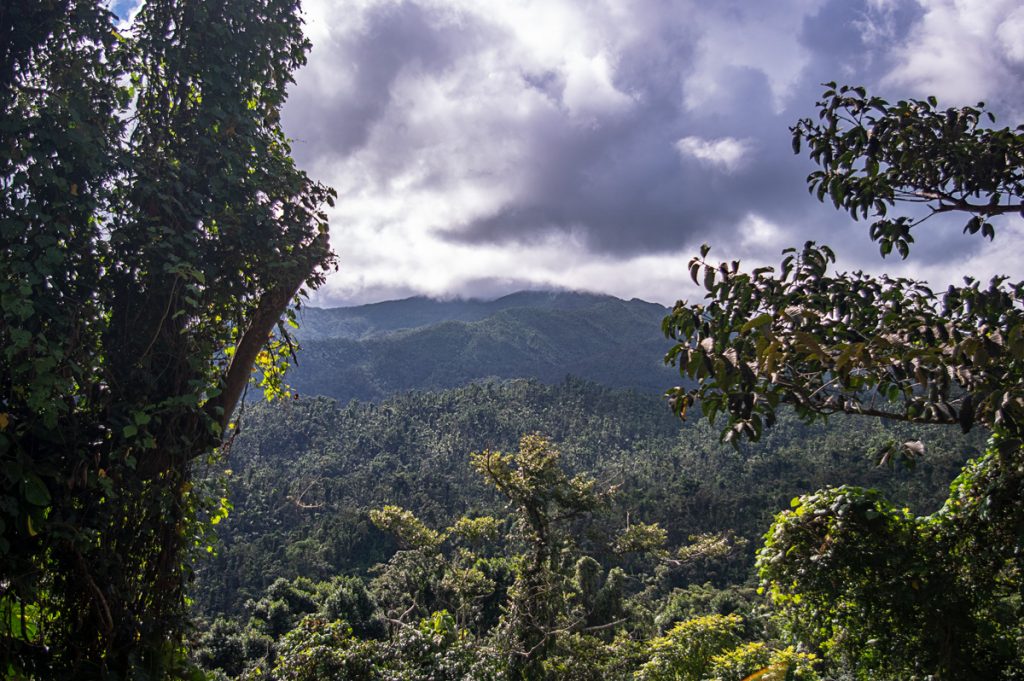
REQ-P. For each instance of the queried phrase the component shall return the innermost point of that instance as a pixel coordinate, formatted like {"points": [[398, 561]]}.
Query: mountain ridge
{"points": [[370, 352], [363, 321]]}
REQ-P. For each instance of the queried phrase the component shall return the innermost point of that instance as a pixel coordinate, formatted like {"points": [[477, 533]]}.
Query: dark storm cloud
{"points": [[627, 186], [353, 74], [617, 178], [624, 183]]}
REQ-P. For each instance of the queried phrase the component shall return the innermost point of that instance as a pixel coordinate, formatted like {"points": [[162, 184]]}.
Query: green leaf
{"points": [[35, 490], [757, 322]]}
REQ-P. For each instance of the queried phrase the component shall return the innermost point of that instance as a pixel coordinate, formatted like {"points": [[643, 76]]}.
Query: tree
{"points": [[850, 342], [686, 651], [828, 343], [153, 231], [894, 596], [545, 499], [873, 154]]}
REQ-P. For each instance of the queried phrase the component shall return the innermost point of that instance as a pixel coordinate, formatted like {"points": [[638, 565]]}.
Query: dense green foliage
{"points": [[153, 230], [850, 342], [376, 351], [305, 473], [322, 490], [847, 569], [873, 154], [493, 598]]}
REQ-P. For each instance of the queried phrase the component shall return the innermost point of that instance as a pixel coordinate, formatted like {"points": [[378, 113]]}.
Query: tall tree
{"points": [[545, 498], [943, 592], [153, 231]]}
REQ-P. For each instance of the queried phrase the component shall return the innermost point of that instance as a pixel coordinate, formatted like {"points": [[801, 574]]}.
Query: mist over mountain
{"points": [[370, 352]]}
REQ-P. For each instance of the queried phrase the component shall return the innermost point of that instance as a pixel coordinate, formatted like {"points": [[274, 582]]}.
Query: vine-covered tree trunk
{"points": [[153, 231]]}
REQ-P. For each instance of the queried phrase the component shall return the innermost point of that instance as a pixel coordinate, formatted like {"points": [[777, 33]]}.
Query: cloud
{"points": [[963, 51], [589, 91], [759, 233], [727, 152], [1010, 35], [596, 145], [743, 35]]}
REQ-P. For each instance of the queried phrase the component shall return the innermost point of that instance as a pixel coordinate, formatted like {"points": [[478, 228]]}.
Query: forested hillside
{"points": [[339, 516], [305, 473], [375, 351]]}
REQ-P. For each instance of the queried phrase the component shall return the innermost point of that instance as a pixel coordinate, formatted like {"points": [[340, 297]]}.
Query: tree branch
{"points": [[985, 208], [271, 306]]}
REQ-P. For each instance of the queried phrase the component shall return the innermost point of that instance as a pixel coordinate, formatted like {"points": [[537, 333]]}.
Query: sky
{"points": [[480, 147]]}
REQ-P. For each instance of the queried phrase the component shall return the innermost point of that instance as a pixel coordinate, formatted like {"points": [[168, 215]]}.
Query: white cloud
{"points": [[962, 51], [728, 153], [1010, 35], [761, 234], [588, 87], [441, 269]]}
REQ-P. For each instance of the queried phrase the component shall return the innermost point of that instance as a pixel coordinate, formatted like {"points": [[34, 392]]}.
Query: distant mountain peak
{"points": [[371, 319], [373, 351]]}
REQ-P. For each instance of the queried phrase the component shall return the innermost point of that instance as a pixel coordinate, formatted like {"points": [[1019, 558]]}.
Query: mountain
{"points": [[367, 321], [373, 351]]}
